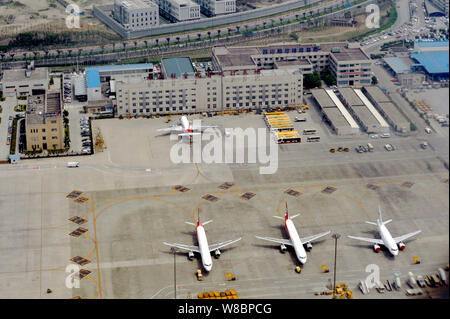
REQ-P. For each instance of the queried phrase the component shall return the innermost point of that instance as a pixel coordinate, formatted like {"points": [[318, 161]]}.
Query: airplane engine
{"points": [[401, 246], [283, 248], [191, 255], [217, 253], [308, 246], [377, 248]]}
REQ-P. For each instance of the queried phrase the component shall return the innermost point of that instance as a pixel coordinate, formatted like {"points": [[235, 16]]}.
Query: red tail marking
{"points": [[199, 223]]}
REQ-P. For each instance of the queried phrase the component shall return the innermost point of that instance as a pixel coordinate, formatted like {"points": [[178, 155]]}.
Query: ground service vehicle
{"points": [[313, 139], [309, 132], [73, 164]]}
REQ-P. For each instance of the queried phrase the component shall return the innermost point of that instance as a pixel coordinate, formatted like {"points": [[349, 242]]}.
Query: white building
{"points": [[179, 10], [217, 7], [136, 15], [24, 81], [192, 94]]}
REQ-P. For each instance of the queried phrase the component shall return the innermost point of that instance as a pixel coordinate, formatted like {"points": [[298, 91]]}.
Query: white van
{"points": [[73, 164], [427, 130]]}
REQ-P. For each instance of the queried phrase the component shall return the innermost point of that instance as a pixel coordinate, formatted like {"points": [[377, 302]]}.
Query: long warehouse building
{"points": [[363, 111], [341, 122], [385, 106]]}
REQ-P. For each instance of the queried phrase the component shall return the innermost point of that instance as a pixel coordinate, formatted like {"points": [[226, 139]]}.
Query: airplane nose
{"points": [[395, 253], [303, 260], [208, 268]]}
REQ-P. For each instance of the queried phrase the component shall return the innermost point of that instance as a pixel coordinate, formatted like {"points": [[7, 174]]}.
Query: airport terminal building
{"points": [[178, 90]]}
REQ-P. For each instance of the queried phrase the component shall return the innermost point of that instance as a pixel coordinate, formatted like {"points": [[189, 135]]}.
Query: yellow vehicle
{"points": [[298, 269], [346, 149], [305, 107], [340, 149], [199, 275]]}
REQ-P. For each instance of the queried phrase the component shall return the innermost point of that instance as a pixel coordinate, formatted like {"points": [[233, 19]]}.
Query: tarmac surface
{"points": [[129, 208]]}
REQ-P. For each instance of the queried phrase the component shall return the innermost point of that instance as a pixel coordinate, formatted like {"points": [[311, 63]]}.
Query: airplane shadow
{"points": [[163, 134]]}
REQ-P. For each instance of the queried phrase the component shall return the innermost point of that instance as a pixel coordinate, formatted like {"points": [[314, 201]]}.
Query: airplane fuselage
{"points": [[295, 240], [204, 248], [388, 241]]}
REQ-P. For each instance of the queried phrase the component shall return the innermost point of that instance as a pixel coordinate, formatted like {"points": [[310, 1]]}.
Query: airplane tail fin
{"points": [[198, 220], [286, 216]]}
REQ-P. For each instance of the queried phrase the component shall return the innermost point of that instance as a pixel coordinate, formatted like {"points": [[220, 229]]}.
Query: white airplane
{"points": [[203, 248], [184, 128], [294, 240], [386, 238]]}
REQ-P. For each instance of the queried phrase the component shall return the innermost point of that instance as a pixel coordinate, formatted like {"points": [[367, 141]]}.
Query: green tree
{"points": [[312, 80], [374, 80], [328, 77], [293, 36], [65, 113]]}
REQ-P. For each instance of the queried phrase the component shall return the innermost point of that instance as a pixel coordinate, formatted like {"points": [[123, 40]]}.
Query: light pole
{"points": [[174, 272], [336, 237]]}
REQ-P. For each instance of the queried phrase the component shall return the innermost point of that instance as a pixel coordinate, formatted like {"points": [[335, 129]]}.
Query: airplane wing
{"points": [[404, 237], [313, 237], [223, 244], [189, 134], [276, 240], [184, 247], [207, 126], [170, 128], [370, 240]]}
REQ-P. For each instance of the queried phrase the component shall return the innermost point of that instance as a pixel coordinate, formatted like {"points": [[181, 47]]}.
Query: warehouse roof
{"points": [[376, 94], [397, 65], [393, 114], [365, 116], [435, 62], [336, 117], [350, 97], [322, 98]]}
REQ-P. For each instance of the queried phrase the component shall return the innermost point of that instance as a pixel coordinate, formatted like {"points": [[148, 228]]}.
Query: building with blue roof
{"points": [[177, 67], [426, 46], [435, 64], [431, 57], [95, 76]]}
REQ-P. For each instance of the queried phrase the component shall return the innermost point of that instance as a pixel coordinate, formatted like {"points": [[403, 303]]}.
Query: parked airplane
{"points": [[203, 248], [386, 237], [184, 128], [294, 240]]}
